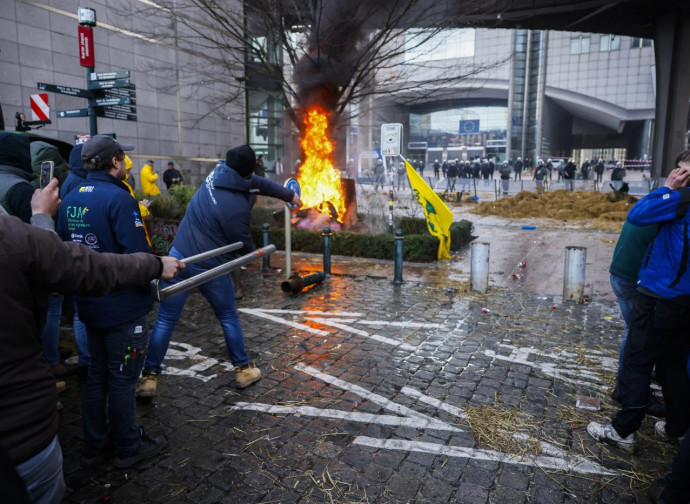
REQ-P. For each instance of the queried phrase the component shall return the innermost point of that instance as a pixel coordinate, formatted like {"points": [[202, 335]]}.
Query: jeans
{"points": [[50, 336], [220, 294], [626, 292], [117, 356], [42, 475], [657, 336], [451, 184]]}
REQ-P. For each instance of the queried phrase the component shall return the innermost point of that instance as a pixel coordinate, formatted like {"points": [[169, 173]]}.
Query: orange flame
{"points": [[319, 180]]}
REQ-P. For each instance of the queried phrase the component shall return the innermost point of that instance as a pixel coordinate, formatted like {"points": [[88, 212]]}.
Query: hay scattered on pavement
{"points": [[499, 427], [560, 205]]}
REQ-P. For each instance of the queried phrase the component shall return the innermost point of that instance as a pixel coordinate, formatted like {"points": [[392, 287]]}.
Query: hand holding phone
{"points": [[47, 168]]}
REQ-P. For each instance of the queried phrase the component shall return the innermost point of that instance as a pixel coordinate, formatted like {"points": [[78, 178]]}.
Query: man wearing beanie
{"points": [[217, 215]]}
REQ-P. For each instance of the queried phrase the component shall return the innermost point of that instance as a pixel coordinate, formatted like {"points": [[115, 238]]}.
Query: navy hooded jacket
{"points": [[77, 172], [219, 214]]}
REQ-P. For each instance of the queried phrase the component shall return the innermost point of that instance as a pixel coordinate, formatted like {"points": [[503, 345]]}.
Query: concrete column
{"points": [[479, 267], [672, 47]]}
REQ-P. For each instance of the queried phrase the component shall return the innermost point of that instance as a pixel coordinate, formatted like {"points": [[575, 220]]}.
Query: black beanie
{"points": [[15, 151], [241, 159]]}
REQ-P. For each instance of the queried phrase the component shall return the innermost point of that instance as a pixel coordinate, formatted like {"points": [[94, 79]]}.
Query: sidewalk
{"points": [[377, 393]]}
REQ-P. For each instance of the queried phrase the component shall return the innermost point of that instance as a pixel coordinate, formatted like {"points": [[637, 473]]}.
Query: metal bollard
{"points": [[479, 267], [266, 266], [390, 212], [326, 251], [397, 273], [574, 275], [297, 283]]}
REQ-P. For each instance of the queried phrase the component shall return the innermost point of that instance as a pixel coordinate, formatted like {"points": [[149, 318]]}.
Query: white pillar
{"points": [[479, 269], [574, 275]]}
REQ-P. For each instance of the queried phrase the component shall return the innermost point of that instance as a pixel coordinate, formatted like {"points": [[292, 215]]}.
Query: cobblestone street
{"points": [[377, 393]]}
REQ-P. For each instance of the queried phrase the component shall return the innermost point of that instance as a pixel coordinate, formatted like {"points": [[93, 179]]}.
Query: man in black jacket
{"points": [[34, 262], [172, 176], [16, 175]]}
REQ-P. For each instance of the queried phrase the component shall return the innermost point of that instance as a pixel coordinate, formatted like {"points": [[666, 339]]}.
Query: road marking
{"points": [[264, 314], [568, 463], [364, 334], [182, 351], [562, 368]]}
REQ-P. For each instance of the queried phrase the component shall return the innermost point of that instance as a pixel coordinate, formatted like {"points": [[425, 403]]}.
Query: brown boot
{"points": [[247, 375], [147, 386]]}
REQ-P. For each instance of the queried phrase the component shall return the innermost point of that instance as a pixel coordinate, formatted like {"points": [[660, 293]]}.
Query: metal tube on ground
{"points": [[326, 251], [574, 274], [266, 266], [190, 283], [479, 269], [397, 273], [298, 283]]}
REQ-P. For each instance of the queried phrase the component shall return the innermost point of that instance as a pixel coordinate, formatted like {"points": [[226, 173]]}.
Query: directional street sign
{"points": [[81, 112], [124, 109], [120, 92], [115, 115], [117, 74], [81, 93], [107, 102], [107, 84]]}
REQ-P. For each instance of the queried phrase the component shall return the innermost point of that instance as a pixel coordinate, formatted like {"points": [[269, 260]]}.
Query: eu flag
{"points": [[469, 126]]}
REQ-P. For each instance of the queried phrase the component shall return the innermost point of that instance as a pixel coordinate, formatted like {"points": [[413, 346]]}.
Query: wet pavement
{"points": [[372, 392]]}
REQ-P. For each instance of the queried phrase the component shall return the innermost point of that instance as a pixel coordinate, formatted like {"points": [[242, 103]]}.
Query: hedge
{"points": [[417, 247]]}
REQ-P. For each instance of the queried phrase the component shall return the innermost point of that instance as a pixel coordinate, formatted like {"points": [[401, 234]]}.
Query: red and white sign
{"points": [[40, 110], [85, 34]]}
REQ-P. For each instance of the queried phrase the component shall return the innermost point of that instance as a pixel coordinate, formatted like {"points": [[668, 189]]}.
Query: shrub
{"points": [[172, 206]]}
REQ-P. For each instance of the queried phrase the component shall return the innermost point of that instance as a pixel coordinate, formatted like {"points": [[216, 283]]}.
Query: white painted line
{"points": [[571, 464], [364, 334], [310, 312], [365, 394], [400, 323], [353, 416], [432, 401], [296, 325]]}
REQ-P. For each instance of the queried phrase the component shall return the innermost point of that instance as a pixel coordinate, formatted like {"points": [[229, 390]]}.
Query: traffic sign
{"points": [[125, 109], [293, 184], [107, 84], [131, 93], [81, 93], [116, 74], [40, 110], [110, 114], [80, 112], [107, 102], [391, 139]]}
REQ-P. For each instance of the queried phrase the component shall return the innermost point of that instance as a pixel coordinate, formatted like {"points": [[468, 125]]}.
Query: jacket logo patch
{"points": [[666, 196], [74, 212], [91, 240], [88, 188], [137, 220]]}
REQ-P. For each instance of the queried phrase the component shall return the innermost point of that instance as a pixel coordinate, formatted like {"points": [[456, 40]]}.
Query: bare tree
{"points": [[327, 52]]}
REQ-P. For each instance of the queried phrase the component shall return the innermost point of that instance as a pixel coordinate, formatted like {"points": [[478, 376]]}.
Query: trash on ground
{"points": [[486, 310], [588, 403]]}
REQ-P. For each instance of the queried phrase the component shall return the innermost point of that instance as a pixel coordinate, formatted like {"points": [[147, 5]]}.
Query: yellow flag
{"points": [[438, 215]]}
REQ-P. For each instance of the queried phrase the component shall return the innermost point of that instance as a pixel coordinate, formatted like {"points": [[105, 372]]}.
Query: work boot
{"points": [[656, 407], [607, 434], [246, 375], [147, 386], [660, 430], [61, 386], [150, 447], [59, 370]]}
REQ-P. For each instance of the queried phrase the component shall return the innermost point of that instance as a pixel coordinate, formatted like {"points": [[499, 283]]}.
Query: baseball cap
{"points": [[100, 147]]}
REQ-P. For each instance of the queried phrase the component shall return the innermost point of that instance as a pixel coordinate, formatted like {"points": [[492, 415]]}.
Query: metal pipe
{"points": [[479, 269], [266, 267], [297, 283], [574, 275], [212, 253], [288, 242], [326, 251], [192, 282], [397, 272], [390, 211]]}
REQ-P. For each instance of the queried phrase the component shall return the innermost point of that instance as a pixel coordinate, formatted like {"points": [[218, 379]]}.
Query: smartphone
{"points": [[46, 173]]}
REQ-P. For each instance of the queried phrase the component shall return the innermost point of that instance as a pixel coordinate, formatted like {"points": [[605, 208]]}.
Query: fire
{"points": [[320, 181]]}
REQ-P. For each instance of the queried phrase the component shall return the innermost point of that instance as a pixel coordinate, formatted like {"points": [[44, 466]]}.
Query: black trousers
{"points": [[658, 335]]}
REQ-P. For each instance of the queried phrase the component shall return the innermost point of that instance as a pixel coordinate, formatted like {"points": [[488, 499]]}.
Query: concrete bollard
{"points": [[397, 273], [479, 269], [266, 266], [326, 251], [574, 275]]}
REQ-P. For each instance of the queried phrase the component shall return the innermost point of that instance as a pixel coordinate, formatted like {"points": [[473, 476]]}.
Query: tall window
{"points": [[446, 44], [610, 43], [579, 45]]}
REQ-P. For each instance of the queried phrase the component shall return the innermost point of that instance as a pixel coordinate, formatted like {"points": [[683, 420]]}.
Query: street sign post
{"points": [[391, 139], [123, 109], [53, 88], [107, 102], [115, 74], [111, 114], [81, 112], [107, 84]]}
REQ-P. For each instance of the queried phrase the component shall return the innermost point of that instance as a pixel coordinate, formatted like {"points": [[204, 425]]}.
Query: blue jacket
{"points": [[664, 270], [102, 215], [219, 214]]}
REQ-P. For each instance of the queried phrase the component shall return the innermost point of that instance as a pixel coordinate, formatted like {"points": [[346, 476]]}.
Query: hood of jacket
{"points": [[15, 151], [228, 178], [76, 164], [42, 151]]}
